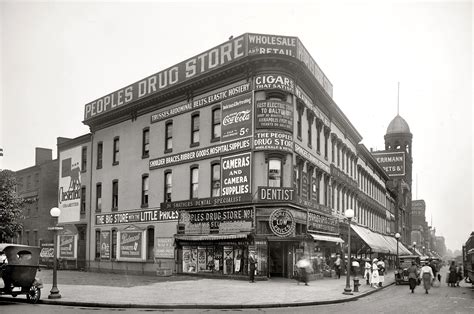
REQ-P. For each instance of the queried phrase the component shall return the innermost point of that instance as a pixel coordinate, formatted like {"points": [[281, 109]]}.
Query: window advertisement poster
{"points": [[131, 245], [69, 193], [164, 247], [105, 245], [236, 177], [274, 114], [189, 259], [67, 246], [201, 258], [228, 259], [237, 117]]}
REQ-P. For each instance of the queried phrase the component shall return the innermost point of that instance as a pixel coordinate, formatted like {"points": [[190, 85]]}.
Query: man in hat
{"points": [[367, 272], [252, 265]]}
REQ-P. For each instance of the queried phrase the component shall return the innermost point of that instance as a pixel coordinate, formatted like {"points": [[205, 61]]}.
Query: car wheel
{"points": [[34, 294]]}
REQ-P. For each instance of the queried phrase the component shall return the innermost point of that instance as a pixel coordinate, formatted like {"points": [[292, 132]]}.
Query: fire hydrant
{"points": [[356, 284]]}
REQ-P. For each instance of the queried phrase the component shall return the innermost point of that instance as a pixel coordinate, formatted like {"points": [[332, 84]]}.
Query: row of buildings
{"points": [[241, 148]]}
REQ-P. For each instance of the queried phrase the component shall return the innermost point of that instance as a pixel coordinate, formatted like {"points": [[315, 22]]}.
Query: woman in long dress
{"points": [[452, 277], [426, 275], [375, 274], [412, 276]]}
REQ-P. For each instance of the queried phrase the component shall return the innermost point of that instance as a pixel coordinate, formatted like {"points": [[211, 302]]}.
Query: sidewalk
{"points": [[120, 290]]}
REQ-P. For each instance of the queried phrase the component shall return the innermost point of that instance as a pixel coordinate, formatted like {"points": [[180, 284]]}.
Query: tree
{"points": [[11, 207]]}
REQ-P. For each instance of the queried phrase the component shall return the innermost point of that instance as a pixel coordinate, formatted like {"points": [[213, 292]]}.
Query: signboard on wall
{"points": [[318, 222], [222, 220], [275, 140], [259, 44], [274, 114], [237, 117], [274, 81], [67, 246], [236, 177], [131, 244], [69, 193], [164, 247], [392, 162], [105, 244], [144, 215]]}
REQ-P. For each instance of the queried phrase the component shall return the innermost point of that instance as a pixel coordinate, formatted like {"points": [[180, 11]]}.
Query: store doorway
{"points": [[280, 257]]}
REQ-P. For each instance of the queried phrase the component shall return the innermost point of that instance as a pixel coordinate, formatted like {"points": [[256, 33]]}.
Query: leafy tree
{"points": [[11, 207]]}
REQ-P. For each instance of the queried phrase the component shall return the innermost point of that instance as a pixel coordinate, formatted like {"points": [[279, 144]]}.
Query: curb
{"points": [[200, 306]]}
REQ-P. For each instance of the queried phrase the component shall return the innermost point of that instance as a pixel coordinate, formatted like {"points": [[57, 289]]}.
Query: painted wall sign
{"points": [[265, 140], [235, 178], [237, 117], [67, 246], [282, 223], [212, 59], [199, 102], [203, 153], [164, 247], [271, 44], [311, 158], [105, 244], [131, 244], [69, 193], [209, 201], [392, 162], [125, 217], [274, 81], [318, 222], [274, 194], [219, 221], [274, 114]]}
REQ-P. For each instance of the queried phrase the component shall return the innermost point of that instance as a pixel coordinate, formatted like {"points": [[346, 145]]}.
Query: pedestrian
{"points": [[252, 266], [355, 267], [381, 270], [426, 275], [367, 272], [459, 275], [412, 276], [375, 274], [304, 268], [434, 268], [452, 278], [337, 266]]}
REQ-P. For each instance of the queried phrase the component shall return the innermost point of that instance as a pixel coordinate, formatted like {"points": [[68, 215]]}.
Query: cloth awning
{"points": [[210, 237], [328, 238], [374, 240], [417, 252], [402, 250]]}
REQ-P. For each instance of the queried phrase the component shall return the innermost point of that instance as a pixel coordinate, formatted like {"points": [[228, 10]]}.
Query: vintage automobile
{"points": [[18, 266], [401, 274]]}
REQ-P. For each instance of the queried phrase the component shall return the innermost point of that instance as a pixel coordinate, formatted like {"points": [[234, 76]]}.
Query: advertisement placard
{"points": [[105, 244], [164, 247], [69, 194], [267, 140], [392, 162], [145, 215], [237, 117], [271, 44], [274, 114], [131, 244], [236, 177], [67, 246], [274, 81]]}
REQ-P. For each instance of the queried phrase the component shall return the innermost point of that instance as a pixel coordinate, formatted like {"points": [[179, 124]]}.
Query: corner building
{"points": [[237, 149]]}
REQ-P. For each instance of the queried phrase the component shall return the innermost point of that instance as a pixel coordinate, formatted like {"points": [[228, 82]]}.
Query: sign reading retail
{"points": [[274, 114], [105, 244], [318, 222], [69, 194], [277, 140], [237, 117], [271, 44], [131, 244], [67, 246], [125, 217], [203, 153], [392, 162], [164, 247], [282, 222], [275, 81], [236, 174]]}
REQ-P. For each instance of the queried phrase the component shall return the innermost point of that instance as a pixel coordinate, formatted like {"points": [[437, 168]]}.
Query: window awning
{"points": [[374, 240], [328, 238], [210, 237]]}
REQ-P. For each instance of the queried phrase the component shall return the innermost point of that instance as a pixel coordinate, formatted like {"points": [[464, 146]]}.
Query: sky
{"points": [[58, 56]]}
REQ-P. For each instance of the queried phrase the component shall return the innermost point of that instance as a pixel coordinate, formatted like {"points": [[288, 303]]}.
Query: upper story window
{"points": [[318, 137], [36, 179], [310, 133], [84, 159], [115, 190], [216, 180], [28, 182], [145, 187], [169, 136], [298, 123], [194, 178], [274, 172], [116, 151], [326, 140], [98, 197], [83, 200], [146, 143], [100, 148], [168, 186], [216, 123], [195, 129]]}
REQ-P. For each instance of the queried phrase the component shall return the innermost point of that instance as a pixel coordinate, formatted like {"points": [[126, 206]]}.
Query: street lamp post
{"points": [[397, 236], [349, 215], [54, 293]]}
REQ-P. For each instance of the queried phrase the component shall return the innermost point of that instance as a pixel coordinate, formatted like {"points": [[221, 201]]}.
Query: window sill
{"points": [[98, 167], [215, 139], [115, 163], [114, 209], [169, 150], [194, 144], [145, 156], [144, 205]]}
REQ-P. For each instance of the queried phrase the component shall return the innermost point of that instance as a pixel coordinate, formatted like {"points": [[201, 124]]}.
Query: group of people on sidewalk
{"points": [[455, 275], [374, 273]]}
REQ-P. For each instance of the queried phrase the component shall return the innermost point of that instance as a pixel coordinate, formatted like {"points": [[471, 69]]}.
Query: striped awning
{"points": [[210, 237], [375, 241], [327, 238]]}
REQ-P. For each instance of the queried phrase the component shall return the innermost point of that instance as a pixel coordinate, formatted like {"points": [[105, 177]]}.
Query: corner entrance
{"points": [[281, 258]]}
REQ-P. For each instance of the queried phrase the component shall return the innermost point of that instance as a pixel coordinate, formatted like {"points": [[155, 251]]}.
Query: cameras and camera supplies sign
{"points": [[236, 177]]}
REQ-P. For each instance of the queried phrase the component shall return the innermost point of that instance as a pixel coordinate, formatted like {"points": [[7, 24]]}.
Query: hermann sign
{"points": [[392, 162]]}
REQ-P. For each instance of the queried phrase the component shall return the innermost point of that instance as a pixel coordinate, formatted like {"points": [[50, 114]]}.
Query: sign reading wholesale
{"points": [[217, 57], [392, 162]]}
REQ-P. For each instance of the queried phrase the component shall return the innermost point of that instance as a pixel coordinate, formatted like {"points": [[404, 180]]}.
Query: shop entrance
{"points": [[280, 257]]}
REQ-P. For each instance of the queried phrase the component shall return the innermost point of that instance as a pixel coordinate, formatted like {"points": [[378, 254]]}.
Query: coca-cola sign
{"points": [[237, 117]]}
